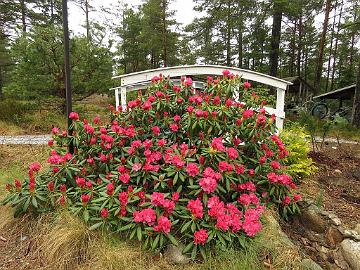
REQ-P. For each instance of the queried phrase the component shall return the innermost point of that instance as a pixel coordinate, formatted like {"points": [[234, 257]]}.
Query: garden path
{"points": [[25, 139]]}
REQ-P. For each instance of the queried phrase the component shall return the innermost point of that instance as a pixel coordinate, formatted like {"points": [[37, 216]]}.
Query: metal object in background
{"points": [[67, 71]]}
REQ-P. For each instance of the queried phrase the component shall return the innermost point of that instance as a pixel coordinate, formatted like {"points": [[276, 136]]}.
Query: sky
{"points": [[184, 12]]}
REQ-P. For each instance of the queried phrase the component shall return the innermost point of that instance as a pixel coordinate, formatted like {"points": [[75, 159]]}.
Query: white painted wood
{"points": [[123, 98], [142, 79], [280, 105], [117, 102], [147, 75]]}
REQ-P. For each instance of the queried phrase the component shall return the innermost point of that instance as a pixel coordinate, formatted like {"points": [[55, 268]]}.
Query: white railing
{"points": [[137, 80]]}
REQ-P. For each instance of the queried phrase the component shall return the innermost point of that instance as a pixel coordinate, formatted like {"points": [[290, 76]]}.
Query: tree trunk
{"points": [[1, 83], [331, 49], [228, 35], [87, 20], [356, 104], [299, 47], [319, 66], [275, 38], [335, 48], [165, 45], [23, 15], [292, 46], [240, 47], [52, 11]]}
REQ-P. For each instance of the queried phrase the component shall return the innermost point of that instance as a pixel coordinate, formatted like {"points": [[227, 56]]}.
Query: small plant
{"points": [[178, 165], [320, 198]]}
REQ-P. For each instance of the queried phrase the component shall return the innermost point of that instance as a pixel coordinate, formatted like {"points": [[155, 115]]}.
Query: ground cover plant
{"points": [[180, 165]]}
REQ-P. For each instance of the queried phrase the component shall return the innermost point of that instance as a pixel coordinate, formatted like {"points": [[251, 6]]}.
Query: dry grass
{"points": [[285, 255], [9, 129], [15, 160], [64, 242]]}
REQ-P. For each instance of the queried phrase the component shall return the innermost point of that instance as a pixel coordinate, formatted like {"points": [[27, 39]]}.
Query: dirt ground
{"points": [[336, 186]]}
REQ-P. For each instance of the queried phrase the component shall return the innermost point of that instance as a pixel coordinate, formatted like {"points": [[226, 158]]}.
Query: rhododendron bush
{"points": [[179, 165]]}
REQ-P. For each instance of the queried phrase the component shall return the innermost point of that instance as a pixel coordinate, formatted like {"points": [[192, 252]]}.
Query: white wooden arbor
{"points": [[140, 80]]}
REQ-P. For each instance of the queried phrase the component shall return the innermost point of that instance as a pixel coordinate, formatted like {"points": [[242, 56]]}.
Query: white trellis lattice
{"points": [[140, 80]]}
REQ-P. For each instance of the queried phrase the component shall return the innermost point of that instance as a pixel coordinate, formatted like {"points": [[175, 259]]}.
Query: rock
{"points": [[309, 264], [333, 237], [313, 220], [337, 171], [351, 234], [338, 259], [357, 228], [174, 254], [351, 252]]}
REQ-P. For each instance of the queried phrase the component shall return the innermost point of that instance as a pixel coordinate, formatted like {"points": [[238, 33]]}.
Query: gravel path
{"points": [[25, 139], [333, 140]]}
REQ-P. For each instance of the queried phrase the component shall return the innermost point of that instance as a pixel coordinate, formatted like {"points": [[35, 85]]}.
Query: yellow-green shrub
{"points": [[297, 142]]}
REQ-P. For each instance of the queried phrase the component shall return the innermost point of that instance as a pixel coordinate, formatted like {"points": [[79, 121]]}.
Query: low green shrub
{"points": [[297, 142]]}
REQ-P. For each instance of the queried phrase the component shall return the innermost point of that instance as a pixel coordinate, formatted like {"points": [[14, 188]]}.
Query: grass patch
{"points": [[37, 117], [15, 160], [64, 242]]}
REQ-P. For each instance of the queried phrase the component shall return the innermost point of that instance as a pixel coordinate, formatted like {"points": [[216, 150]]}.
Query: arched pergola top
{"points": [[141, 79], [189, 70]]}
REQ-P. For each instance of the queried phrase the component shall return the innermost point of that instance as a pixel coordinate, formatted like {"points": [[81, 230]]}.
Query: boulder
{"points": [[309, 264], [333, 237], [313, 220], [351, 252], [174, 254], [357, 228]]}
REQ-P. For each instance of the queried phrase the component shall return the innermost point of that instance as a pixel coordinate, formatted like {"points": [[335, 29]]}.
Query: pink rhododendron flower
{"points": [[217, 144], [74, 116], [196, 208], [192, 169], [123, 198], [157, 198], [247, 85], [200, 237], [224, 166], [110, 189], [286, 200], [146, 106], [104, 213], [147, 215], [208, 184], [174, 127], [55, 130], [164, 225], [297, 197], [136, 167], [124, 178], [155, 130], [247, 114], [232, 153], [175, 197], [85, 198], [275, 165]]}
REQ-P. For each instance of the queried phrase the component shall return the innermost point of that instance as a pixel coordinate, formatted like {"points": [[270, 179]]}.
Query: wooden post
{"points": [[117, 102], [123, 98], [67, 72], [280, 105]]}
